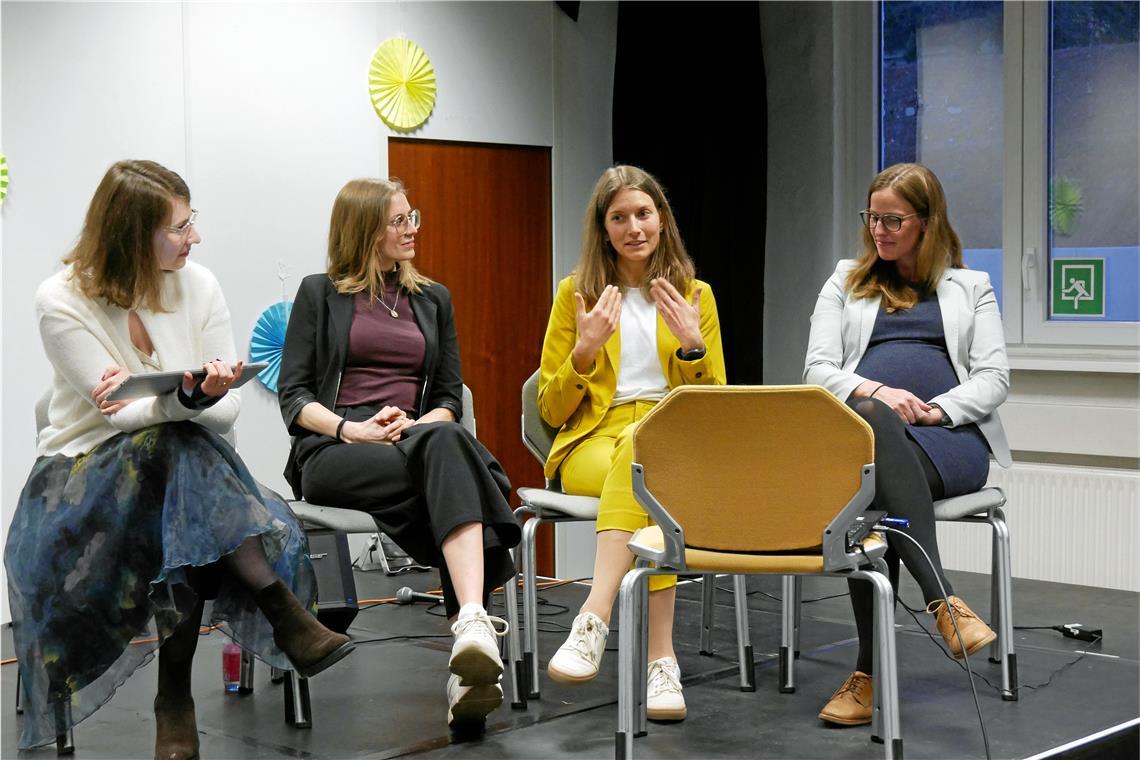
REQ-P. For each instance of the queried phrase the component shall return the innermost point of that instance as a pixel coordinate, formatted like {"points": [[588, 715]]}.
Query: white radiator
{"points": [[1068, 524]]}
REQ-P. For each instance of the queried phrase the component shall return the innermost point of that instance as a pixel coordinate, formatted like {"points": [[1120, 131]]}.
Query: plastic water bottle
{"points": [[231, 667]]}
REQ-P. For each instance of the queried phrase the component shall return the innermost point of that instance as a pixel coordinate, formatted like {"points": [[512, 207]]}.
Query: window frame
{"points": [[1035, 341]]}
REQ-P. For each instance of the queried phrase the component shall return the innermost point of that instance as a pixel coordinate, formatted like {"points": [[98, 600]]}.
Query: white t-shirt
{"points": [[639, 369]]}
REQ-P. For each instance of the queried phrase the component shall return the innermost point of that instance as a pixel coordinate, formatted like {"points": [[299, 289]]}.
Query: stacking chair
{"points": [[546, 505], [985, 506], [980, 507], [778, 478], [551, 505]]}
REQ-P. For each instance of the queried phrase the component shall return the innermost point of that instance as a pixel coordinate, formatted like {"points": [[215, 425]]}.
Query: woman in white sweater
{"points": [[137, 510]]}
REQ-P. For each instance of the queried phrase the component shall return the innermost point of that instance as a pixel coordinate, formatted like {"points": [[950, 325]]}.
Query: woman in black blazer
{"points": [[371, 390]]}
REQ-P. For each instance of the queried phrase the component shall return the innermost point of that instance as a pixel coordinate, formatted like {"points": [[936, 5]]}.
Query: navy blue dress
{"points": [[908, 350]]}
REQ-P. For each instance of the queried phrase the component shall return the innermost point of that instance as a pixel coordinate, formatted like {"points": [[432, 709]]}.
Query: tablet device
{"points": [[157, 383]]}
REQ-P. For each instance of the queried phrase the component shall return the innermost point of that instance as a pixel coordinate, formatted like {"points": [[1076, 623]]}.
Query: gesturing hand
{"points": [[596, 325], [112, 378], [682, 318]]}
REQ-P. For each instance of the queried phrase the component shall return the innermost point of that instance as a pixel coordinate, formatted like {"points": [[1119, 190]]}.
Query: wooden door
{"points": [[486, 235]]}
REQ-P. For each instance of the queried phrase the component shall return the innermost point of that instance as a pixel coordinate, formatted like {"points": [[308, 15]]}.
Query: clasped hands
{"points": [[386, 426], [683, 318], [219, 378], [905, 404]]}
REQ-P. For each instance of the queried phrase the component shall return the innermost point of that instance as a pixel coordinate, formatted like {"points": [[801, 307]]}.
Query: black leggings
{"points": [[906, 485]]}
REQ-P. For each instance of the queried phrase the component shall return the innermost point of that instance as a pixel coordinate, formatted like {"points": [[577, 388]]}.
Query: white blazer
{"points": [[841, 327]]}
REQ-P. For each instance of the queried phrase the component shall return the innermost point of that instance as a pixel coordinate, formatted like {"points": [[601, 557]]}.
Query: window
{"points": [[1028, 113]]}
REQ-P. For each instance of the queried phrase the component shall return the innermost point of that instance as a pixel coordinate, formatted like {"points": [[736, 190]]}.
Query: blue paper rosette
{"points": [[268, 342]]}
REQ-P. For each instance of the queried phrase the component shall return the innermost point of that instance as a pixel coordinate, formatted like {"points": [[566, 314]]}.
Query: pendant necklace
{"points": [[391, 309]]}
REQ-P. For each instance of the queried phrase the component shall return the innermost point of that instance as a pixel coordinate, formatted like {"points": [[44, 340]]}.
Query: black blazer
{"points": [[316, 347]]}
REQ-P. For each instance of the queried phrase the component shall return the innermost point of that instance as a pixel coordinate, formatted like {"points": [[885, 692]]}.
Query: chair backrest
{"points": [[468, 419], [537, 436], [755, 468]]}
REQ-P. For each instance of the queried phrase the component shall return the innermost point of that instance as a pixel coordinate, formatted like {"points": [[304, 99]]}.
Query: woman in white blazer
{"points": [[913, 342]]}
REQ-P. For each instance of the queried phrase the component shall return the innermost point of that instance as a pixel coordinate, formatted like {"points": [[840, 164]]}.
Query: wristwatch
{"points": [[945, 421], [692, 355]]}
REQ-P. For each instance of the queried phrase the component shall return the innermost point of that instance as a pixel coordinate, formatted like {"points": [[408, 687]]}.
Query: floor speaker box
{"points": [[336, 588]]}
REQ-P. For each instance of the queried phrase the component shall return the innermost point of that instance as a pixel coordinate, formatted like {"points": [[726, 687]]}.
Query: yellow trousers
{"points": [[600, 465]]}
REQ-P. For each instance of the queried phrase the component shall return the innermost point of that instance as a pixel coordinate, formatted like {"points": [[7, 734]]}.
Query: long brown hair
{"points": [[597, 265], [938, 247], [356, 232], [114, 258]]}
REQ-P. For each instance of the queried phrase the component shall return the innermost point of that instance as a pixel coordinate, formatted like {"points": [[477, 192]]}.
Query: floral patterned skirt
{"points": [[98, 557]]}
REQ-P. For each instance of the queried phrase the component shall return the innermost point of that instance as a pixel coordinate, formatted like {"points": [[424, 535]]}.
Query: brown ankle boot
{"points": [[975, 633], [852, 704], [176, 730], [309, 645]]}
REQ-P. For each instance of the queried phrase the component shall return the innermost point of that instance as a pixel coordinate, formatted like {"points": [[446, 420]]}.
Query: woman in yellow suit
{"points": [[631, 323]]}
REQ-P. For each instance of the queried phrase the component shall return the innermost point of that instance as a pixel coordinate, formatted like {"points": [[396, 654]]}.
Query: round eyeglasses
{"points": [[402, 222], [893, 222]]}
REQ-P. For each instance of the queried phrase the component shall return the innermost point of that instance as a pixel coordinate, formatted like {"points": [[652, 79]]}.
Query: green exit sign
{"points": [[1077, 288]]}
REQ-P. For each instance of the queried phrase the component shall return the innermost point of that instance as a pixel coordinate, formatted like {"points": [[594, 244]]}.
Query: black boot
{"points": [[309, 645], [176, 730]]}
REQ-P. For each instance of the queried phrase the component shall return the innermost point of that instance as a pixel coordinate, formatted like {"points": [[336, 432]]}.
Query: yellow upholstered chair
{"points": [[782, 473]]}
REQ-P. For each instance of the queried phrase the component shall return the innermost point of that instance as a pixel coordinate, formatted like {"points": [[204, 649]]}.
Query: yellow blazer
{"points": [[576, 403]]}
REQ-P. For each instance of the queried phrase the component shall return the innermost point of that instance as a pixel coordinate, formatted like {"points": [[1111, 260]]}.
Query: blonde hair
{"points": [[597, 265], [115, 258], [356, 232], [938, 246]]}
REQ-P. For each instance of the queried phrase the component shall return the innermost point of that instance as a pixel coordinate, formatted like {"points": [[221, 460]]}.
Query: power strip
{"points": [[1079, 631]]}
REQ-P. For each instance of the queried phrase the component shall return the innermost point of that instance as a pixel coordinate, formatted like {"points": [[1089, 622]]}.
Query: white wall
{"points": [[264, 109]]}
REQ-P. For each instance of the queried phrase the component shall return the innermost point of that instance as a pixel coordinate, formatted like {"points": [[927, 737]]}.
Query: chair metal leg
{"points": [[632, 652], [1002, 583], [517, 666], [885, 718], [743, 635], [276, 675], [297, 709], [65, 737], [19, 693], [530, 603], [245, 676], [798, 582], [788, 627], [708, 612]]}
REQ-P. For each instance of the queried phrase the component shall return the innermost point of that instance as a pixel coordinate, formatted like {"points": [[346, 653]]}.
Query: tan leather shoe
{"points": [[852, 704], [975, 633]]}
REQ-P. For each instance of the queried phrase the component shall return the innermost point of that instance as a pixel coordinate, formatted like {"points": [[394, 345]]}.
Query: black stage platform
{"points": [[387, 699]]}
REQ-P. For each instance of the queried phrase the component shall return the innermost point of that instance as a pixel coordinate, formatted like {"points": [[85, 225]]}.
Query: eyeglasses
{"points": [[893, 222], [401, 222], [184, 228]]}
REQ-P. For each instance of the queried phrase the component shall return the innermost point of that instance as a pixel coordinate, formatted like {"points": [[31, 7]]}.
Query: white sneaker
{"points": [[469, 706], [663, 698], [475, 653], [579, 658]]}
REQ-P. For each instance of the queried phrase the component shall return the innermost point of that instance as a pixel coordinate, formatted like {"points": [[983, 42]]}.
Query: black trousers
{"points": [[436, 478], [906, 485]]}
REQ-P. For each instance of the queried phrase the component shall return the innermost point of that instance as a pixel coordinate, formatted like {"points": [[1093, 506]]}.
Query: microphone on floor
{"points": [[406, 596]]}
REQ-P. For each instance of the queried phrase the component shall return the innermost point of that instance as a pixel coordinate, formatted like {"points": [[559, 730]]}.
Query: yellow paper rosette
{"points": [[401, 83]]}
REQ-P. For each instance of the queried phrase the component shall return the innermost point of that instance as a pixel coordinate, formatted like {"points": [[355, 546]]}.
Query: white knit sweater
{"points": [[83, 337]]}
